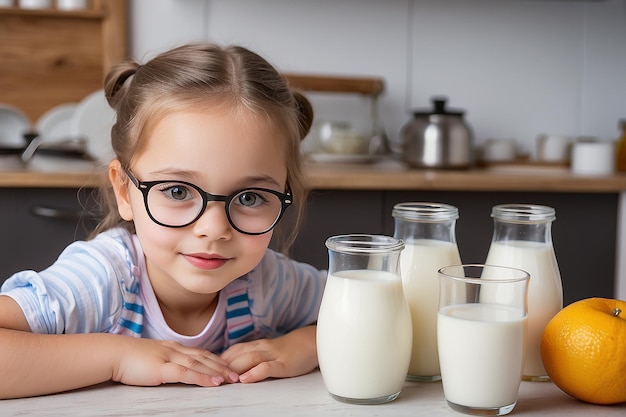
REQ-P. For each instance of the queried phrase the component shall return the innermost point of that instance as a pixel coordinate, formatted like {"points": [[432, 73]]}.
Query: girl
{"points": [[178, 285]]}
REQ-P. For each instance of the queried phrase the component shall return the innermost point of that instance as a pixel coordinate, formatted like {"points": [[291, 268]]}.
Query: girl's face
{"points": [[220, 150]]}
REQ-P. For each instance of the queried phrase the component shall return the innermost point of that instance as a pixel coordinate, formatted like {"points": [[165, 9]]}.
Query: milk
{"points": [[420, 260], [481, 348], [363, 334], [544, 290]]}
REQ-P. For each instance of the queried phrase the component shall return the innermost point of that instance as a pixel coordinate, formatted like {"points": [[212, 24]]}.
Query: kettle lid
{"points": [[439, 107]]}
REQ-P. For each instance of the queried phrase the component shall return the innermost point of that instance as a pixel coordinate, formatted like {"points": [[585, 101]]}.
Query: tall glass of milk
{"points": [[522, 239], [481, 330], [364, 324], [428, 231]]}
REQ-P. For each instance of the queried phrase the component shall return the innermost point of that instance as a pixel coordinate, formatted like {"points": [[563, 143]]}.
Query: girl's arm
{"points": [[36, 364]]}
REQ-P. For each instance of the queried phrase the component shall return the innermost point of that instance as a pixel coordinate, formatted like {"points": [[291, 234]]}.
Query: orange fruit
{"points": [[583, 349]]}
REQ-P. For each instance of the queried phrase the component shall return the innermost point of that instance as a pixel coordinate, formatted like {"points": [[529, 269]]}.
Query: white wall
{"points": [[518, 67]]}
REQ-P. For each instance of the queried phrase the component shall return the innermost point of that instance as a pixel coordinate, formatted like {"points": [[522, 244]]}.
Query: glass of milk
{"points": [[364, 331], [481, 332], [429, 244], [522, 239]]}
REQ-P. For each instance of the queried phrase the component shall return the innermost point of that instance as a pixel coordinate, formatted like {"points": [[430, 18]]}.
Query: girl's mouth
{"points": [[205, 261]]}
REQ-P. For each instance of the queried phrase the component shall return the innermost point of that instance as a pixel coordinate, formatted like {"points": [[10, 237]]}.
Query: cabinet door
{"points": [[37, 224], [52, 57], [332, 213]]}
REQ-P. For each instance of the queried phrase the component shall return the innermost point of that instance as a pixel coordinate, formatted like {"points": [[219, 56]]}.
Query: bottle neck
{"points": [[411, 230], [529, 231]]}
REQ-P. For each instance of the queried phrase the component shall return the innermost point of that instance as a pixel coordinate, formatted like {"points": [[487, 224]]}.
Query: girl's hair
{"points": [[197, 75]]}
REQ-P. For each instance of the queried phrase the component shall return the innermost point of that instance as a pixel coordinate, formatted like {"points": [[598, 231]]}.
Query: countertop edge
{"points": [[371, 177], [325, 177], [89, 179]]}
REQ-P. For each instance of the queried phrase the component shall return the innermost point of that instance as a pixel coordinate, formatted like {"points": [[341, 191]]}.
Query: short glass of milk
{"points": [[364, 331], [481, 332]]}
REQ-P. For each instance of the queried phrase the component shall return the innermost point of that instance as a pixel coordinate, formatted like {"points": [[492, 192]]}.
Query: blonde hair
{"points": [[200, 74]]}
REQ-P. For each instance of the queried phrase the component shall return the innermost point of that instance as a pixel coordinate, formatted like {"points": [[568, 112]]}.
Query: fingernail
{"points": [[217, 380], [233, 376]]}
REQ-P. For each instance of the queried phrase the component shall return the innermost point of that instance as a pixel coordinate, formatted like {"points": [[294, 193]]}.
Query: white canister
{"points": [[72, 4], [593, 158], [497, 150], [554, 148], [35, 4]]}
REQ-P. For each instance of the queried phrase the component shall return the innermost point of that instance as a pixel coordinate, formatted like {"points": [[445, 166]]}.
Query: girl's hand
{"points": [[286, 356], [147, 362]]}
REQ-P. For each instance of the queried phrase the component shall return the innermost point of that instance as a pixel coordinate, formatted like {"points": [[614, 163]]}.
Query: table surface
{"points": [[301, 396]]}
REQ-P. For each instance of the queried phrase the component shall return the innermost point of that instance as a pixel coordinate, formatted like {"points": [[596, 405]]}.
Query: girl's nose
{"points": [[213, 223]]}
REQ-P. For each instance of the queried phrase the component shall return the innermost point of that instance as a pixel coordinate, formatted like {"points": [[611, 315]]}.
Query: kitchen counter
{"points": [[393, 175], [382, 175], [300, 396], [49, 172]]}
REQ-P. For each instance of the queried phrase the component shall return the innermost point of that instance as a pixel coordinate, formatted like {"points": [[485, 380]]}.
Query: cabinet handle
{"points": [[56, 213]]}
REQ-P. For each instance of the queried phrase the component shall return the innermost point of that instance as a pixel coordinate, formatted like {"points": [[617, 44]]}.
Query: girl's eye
{"points": [[178, 192], [250, 199]]}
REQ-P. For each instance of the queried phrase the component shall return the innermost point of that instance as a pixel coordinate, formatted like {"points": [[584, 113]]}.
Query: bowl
{"points": [[340, 138]]}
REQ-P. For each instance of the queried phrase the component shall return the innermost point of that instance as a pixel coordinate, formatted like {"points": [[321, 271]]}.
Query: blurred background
{"points": [[518, 68]]}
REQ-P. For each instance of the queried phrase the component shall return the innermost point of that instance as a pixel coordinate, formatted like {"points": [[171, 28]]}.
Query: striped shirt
{"points": [[101, 285]]}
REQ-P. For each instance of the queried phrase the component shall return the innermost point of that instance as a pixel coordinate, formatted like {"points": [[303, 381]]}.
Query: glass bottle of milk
{"points": [[428, 231], [364, 324], [522, 238]]}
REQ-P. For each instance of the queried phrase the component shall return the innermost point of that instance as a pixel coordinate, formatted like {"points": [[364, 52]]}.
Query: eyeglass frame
{"points": [[145, 187]]}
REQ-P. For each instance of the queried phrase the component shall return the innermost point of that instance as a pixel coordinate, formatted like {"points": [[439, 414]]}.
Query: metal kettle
{"points": [[437, 138]]}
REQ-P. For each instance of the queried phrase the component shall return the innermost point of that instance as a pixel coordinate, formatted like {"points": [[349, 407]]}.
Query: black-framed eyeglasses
{"points": [[251, 211]]}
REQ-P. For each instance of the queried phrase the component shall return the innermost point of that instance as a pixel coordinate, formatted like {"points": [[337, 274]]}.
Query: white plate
{"points": [[92, 120], [341, 158], [54, 125], [13, 125]]}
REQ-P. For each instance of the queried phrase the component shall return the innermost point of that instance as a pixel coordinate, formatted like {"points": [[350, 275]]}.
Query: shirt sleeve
{"points": [[82, 292], [284, 294]]}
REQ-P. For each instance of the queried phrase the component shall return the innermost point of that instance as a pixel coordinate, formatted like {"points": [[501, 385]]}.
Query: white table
{"points": [[301, 396]]}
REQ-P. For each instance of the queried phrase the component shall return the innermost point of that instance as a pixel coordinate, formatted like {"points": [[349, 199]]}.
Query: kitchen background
{"points": [[518, 67]]}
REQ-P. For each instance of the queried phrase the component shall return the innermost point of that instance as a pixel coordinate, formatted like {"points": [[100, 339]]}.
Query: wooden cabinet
{"points": [[36, 224], [584, 233], [49, 57]]}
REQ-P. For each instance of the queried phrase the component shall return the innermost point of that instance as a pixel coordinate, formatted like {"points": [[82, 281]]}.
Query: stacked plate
{"points": [[92, 120], [13, 126], [84, 126], [54, 125]]}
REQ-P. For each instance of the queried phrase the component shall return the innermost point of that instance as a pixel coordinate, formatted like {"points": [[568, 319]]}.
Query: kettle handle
{"points": [[439, 104]]}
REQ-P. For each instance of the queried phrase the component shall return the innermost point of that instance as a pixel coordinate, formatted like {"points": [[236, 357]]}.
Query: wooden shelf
{"points": [[50, 57], [52, 13], [335, 84]]}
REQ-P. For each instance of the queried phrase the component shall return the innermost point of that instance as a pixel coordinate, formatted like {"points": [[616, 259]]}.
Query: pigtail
{"points": [[116, 80], [305, 113]]}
